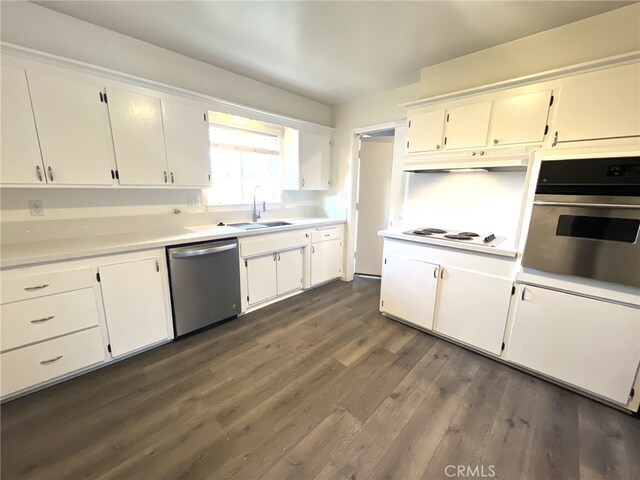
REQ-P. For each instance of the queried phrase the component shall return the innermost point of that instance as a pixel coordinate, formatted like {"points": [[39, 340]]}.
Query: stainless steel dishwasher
{"points": [[205, 284]]}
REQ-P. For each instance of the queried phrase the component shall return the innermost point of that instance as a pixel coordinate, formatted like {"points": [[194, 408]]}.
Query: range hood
{"points": [[485, 159]]}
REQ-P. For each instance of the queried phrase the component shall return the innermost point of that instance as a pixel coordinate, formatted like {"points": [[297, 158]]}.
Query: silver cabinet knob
{"points": [[481, 152], [495, 141], [473, 154], [437, 147]]}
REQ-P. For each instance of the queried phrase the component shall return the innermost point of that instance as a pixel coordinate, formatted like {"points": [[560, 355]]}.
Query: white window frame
{"points": [[243, 123]]}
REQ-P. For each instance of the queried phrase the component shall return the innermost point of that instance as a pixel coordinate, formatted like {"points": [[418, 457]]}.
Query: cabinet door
{"points": [[134, 297], [186, 133], [602, 104], [262, 278], [138, 138], [20, 161], [588, 343], [520, 119], [326, 261], [425, 131], [409, 289], [467, 126], [73, 128], [473, 308], [314, 158], [289, 271]]}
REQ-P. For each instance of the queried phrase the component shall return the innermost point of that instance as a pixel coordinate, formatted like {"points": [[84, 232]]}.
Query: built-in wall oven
{"points": [[586, 219]]}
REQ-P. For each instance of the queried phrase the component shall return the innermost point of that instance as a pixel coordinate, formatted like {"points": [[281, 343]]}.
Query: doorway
{"points": [[373, 198]]}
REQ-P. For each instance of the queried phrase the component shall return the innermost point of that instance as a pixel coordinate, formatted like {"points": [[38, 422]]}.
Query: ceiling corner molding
{"points": [[606, 62]]}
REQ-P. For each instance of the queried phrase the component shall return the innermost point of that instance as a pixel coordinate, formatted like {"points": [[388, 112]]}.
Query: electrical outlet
{"points": [[193, 202], [36, 207]]}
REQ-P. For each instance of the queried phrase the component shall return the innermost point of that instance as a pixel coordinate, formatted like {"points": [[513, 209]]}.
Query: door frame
{"points": [[354, 169]]}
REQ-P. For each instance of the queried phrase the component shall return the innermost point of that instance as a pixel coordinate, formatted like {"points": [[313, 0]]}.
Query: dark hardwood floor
{"points": [[317, 386]]}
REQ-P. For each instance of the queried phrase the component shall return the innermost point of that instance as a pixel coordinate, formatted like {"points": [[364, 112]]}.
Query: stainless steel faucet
{"points": [[256, 214]]}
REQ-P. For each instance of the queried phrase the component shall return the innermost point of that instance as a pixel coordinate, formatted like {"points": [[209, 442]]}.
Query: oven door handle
{"points": [[541, 203]]}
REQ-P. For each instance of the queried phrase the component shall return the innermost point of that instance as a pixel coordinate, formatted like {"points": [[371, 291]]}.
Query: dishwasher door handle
{"points": [[196, 252]]}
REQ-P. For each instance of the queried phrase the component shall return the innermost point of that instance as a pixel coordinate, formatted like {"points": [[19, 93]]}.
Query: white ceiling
{"points": [[329, 51]]}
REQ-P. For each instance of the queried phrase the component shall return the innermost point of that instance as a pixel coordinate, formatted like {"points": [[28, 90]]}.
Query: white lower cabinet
{"points": [[134, 298], [290, 270], [261, 278], [409, 289], [590, 344], [35, 364], [326, 261], [273, 274], [473, 308]]}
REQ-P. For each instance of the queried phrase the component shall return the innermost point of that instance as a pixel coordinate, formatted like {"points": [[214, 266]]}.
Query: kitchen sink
{"points": [[253, 226]]}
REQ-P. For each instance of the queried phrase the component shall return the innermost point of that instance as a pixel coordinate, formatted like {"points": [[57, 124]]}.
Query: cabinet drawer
{"points": [[19, 287], [320, 234], [30, 321], [45, 361], [278, 242]]}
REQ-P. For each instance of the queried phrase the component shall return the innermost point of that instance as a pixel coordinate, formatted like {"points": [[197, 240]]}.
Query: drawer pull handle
{"points": [[327, 234], [36, 288], [51, 360], [42, 320]]}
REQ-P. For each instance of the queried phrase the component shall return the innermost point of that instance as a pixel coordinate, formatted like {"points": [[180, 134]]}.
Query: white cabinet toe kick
{"points": [[589, 345]]}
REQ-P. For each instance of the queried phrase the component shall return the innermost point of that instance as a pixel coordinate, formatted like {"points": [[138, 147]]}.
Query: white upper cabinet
{"points": [[587, 343], [467, 126], [425, 131], [73, 128], [20, 161], [602, 104], [135, 299], [409, 289], [138, 138], [520, 118], [473, 308], [186, 134], [307, 160]]}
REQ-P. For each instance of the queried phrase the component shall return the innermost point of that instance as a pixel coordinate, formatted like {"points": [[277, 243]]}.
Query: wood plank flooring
{"points": [[319, 386]]}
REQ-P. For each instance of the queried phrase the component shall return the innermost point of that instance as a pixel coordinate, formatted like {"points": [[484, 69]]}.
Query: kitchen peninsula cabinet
{"points": [[473, 307], [463, 296], [73, 129], [20, 160], [587, 343], [408, 290]]}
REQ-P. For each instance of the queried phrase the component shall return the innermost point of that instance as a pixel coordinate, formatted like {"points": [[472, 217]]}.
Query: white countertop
{"points": [[30, 253], [499, 250]]}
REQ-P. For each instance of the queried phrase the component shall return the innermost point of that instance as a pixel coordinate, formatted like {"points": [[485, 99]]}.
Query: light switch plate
{"points": [[36, 207]]}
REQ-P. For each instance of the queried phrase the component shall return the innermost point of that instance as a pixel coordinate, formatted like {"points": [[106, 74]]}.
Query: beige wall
{"points": [[605, 35], [39, 28]]}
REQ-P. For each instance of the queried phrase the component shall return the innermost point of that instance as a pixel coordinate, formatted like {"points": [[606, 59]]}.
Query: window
{"points": [[244, 154]]}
